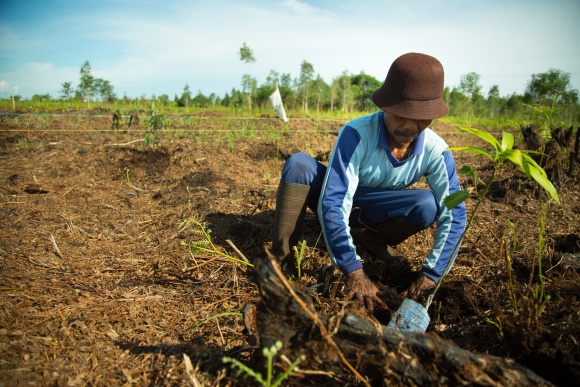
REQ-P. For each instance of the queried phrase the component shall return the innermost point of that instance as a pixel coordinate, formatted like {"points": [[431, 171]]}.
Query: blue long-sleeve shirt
{"points": [[361, 157]]}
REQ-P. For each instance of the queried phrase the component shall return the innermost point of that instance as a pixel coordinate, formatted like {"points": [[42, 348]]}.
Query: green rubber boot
{"points": [[290, 209]]}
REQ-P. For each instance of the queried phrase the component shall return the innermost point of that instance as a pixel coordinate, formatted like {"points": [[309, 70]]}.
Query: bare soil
{"points": [[99, 287]]}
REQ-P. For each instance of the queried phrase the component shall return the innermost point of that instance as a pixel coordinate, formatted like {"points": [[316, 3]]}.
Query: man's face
{"points": [[404, 130]]}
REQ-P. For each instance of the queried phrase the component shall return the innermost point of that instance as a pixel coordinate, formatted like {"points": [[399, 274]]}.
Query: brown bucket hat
{"points": [[413, 88]]}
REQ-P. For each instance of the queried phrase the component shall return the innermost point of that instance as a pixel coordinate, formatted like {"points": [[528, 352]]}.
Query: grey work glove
{"points": [[420, 288], [362, 289]]}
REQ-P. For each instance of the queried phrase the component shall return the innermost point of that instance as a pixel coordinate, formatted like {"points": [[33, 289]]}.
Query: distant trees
{"points": [[551, 90], [104, 89], [350, 93], [88, 87], [553, 85]]}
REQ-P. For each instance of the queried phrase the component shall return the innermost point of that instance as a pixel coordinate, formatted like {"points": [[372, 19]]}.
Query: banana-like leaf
{"points": [[533, 163], [532, 170], [507, 141], [472, 149], [542, 180], [515, 156], [484, 136]]}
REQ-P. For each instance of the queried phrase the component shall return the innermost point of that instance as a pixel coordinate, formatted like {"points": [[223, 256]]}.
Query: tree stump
{"points": [[134, 121], [352, 347]]}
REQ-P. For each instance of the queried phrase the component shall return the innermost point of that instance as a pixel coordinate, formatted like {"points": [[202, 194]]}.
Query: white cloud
{"points": [[159, 47], [38, 78]]}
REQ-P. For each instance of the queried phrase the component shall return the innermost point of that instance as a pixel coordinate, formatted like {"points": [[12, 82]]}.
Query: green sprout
{"points": [[205, 244], [269, 353], [300, 256]]}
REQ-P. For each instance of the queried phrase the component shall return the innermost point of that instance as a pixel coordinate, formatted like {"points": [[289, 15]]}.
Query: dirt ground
{"points": [[99, 287]]}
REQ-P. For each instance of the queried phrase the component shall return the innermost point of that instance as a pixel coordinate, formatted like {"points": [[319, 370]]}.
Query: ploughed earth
{"points": [[101, 282]]}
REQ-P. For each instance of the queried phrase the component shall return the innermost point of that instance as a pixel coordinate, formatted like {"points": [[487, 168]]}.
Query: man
{"points": [[374, 159]]}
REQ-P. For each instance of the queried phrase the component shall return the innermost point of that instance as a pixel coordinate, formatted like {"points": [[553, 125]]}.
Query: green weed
{"points": [[269, 353], [127, 176], [214, 317], [205, 244], [23, 144]]}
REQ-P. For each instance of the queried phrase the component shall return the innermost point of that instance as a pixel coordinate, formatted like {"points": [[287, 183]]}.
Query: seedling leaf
{"points": [[507, 141], [466, 170], [455, 199], [472, 149], [484, 136]]}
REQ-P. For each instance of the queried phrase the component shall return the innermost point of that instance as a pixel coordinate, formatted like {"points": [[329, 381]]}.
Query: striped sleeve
{"points": [[443, 181], [336, 200]]}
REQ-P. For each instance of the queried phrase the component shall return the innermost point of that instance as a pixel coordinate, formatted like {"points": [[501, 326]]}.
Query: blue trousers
{"points": [[371, 206]]}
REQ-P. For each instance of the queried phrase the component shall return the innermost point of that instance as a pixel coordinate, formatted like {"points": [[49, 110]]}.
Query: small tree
{"points": [[248, 82], [503, 152], [319, 91], [469, 85], [67, 90], [89, 86], [87, 82], [185, 99], [306, 75], [493, 99], [344, 91]]}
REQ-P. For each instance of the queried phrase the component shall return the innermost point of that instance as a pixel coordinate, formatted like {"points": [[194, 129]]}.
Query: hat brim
{"points": [[410, 108]]}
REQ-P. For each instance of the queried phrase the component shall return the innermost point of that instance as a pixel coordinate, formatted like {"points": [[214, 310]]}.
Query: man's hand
{"points": [[358, 285], [420, 288]]}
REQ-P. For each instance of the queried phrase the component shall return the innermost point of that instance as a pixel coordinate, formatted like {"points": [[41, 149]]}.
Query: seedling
{"points": [[502, 153], [299, 256], [269, 353], [127, 176], [156, 122]]}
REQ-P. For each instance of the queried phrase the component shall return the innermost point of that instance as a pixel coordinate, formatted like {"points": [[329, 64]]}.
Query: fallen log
{"points": [[354, 346]]}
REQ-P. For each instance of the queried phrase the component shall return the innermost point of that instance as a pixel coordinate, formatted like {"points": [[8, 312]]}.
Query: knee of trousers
{"points": [[300, 168], [424, 211]]}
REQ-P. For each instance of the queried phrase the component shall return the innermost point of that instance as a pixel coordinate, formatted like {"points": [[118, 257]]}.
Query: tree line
{"points": [[350, 93]]}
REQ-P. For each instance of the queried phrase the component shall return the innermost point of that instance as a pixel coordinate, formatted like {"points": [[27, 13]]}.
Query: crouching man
{"points": [[375, 158]]}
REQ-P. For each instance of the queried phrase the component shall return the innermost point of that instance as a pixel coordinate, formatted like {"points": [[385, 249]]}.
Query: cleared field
{"points": [[98, 285]]}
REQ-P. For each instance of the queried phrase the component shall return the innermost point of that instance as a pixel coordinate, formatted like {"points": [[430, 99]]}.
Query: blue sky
{"points": [[146, 47]]}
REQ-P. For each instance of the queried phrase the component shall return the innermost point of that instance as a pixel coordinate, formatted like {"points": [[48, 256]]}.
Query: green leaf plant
{"points": [[502, 152], [204, 244], [299, 257], [156, 122], [269, 354], [526, 302]]}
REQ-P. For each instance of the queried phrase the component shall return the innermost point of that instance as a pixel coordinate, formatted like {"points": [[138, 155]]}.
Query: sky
{"points": [[154, 47]]}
